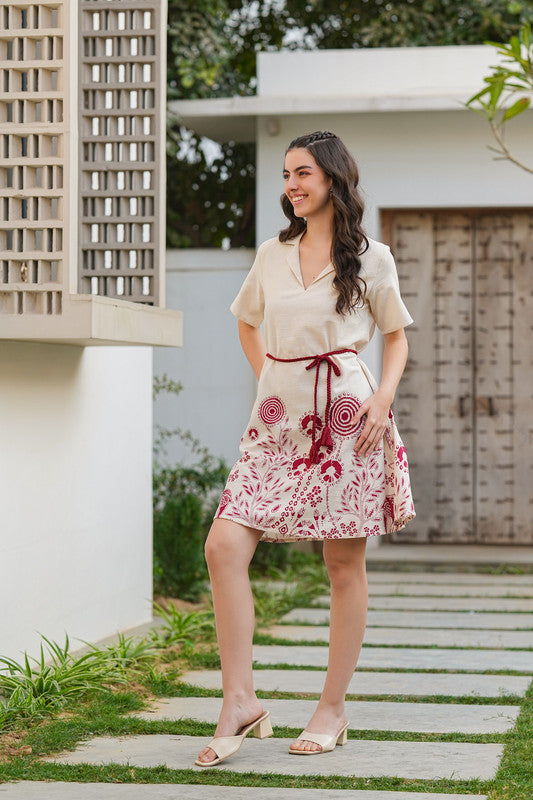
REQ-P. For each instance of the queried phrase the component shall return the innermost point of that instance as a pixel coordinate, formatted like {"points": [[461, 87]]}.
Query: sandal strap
{"points": [[224, 746], [322, 739]]}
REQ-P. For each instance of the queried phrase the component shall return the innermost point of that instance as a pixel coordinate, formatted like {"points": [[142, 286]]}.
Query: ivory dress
{"points": [[298, 476]]}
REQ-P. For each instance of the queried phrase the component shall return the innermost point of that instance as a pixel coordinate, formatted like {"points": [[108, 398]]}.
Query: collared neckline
{"points": [[293, 257]]}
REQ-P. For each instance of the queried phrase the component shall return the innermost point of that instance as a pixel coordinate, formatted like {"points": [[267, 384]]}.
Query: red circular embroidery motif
{"points": [[341, 413], [271, 410]]}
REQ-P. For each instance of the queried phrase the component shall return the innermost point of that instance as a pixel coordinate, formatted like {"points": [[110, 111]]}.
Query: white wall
{"points": [[376, 71], [218, 384], [75, 492]]}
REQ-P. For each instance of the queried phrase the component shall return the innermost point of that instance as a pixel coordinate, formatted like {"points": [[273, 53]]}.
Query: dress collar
{"points": [[293, 258]]}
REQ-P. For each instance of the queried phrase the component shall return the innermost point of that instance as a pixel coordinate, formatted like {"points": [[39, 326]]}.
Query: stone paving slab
{"points": [[470, 578], [45, 790], [384, 554], [412, 636], [461, 684], [452, 590], [358, 758], [422, 619], [465, 604], [402, 658], [363, 714]]}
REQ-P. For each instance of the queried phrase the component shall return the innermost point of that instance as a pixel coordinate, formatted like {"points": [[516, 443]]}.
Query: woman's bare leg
{"points": [[228, 550], [345, 562]]}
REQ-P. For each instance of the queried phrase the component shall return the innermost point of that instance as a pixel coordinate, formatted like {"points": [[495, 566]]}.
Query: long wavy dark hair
{"points": [[349, 239]]}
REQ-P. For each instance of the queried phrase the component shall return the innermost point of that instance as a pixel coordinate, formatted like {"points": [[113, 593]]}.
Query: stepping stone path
{"points": [[460, 626]]}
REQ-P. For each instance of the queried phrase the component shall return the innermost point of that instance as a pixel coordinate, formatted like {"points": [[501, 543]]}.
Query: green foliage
{"points": [[196, 46], [405, 23], [33, 691], [185, 499], [128, 655], [178, 547], [182, 627], [270, 559], [210, 201], [508, 91], [213, 47], [61, 680], [271, 603]]}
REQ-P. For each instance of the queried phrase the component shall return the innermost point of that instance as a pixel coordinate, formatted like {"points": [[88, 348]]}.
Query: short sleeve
{"points": [[384, 298], [249, 305]]}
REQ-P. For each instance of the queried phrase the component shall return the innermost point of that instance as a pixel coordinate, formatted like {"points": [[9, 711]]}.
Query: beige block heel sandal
{"points": [[226, 746], [326, 742]]}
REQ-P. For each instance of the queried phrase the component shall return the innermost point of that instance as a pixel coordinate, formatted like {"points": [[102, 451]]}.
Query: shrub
{"points": [[179, 547]]}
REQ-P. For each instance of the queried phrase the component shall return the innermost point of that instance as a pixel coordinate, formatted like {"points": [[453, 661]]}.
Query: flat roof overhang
{"points": [[235, 118]]}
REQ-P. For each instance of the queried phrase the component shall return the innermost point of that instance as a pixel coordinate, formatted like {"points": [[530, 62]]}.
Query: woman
{"points": [[321, 456]]}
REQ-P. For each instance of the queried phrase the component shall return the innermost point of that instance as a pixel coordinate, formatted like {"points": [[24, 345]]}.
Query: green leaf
{"points": [[517, 108], [498, 85]]}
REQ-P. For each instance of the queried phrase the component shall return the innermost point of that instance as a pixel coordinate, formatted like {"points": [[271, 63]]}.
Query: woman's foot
{"points": [[234, 716], [325, 721]]}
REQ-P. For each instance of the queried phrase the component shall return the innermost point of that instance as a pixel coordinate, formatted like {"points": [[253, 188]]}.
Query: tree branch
{"points": [[504, 150]]}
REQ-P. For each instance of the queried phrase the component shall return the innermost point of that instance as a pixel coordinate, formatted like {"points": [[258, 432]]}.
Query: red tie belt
{"points": [[316, 362]]}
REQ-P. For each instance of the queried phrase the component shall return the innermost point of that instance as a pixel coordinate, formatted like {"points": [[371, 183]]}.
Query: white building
{"points": [[82, 303], [461, 227]]}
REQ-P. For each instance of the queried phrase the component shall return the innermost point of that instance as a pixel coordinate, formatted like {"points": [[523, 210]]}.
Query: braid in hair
{"points": [[311, 138], [349, 239]]}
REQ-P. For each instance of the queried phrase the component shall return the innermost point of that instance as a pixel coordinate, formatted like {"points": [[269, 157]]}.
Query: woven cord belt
{"points": [[316, 362]]}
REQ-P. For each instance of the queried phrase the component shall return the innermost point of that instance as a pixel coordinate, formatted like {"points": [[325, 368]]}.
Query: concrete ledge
{"points": [[89, 320]]}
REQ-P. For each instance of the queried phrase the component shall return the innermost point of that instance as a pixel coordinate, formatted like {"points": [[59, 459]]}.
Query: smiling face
{"points": [[306, 184]]}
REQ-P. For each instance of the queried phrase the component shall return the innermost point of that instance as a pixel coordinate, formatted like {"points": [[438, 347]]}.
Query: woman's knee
{"points": [[229, 544], [345, 562]]}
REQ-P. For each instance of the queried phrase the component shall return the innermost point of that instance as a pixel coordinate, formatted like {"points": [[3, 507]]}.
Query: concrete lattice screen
{"points": [[118, 141], [82, 135], [32, 175]]}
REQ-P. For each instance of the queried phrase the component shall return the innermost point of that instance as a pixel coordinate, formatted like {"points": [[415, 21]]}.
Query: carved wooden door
{"points": [[465, 404]]}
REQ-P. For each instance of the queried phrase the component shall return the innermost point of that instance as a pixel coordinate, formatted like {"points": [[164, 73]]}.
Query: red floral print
{"points": [[278, 491]]}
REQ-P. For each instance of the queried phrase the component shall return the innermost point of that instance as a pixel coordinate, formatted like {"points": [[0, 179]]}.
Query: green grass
{"points": [[326, 607], [514, 779], [181, 689], [433, 671], [116, 773], [303, 623], [266, 638]]}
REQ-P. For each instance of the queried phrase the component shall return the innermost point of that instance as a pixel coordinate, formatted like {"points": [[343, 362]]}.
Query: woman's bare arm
{"points": [[377, 406], [253, 344]]}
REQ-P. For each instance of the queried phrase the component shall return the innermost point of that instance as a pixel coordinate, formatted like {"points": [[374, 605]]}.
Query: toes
{"points": [[207, 755], [304, 744], [311, 746]]}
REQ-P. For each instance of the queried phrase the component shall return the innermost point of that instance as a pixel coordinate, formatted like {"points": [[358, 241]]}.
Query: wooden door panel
{"points": [[465, 402], [493, 436], [411, 240], [453, 377], [522, 375]]}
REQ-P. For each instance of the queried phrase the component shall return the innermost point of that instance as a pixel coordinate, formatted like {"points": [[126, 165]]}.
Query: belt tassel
{"points": [[325, 439]]}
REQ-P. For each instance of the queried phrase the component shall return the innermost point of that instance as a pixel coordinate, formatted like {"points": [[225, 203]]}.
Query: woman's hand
{"points": [[376, 407]]}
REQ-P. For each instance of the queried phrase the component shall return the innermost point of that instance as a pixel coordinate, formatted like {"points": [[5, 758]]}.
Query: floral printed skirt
{"points": [[276, 488]]}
